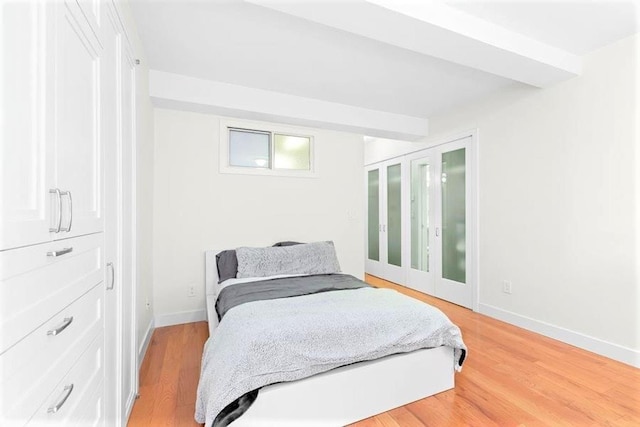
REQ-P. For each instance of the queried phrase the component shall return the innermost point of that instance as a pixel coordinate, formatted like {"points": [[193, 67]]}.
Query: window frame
{"points": [[252, 126]]}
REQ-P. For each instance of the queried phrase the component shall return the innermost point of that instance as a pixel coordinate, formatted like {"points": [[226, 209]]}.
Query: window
{"points": [[263, 149], [249, 148]]}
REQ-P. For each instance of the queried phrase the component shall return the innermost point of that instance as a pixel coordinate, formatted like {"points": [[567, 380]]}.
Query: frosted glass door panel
{"points": [[420, 211], [394, 215], [373, 208], [453, 178]]}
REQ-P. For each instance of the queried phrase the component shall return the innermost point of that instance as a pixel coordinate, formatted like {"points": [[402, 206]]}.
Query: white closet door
{"points": [[420, 216], [375, 218], [393, 226], [439, 214], [453, 224], [77, 156], [385, 228], [25, 203]]}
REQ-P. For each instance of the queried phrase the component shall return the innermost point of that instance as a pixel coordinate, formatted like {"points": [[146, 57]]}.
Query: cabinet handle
{"points": [[65, 395], [384, 228], [67, 193], [113, 276], [64, 325], [58, 194], [60, 252], [437, 231]]}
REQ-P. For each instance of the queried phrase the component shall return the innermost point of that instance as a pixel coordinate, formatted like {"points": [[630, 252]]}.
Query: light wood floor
{"points": [[511, 377]]}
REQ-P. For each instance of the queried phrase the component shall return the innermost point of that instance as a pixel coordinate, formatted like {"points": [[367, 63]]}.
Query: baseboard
{"points": [[144, 346], [586, 342], [180, 318]]}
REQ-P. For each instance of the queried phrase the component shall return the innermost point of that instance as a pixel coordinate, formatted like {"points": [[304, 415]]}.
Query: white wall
{"points": [[196, 208], [144, 186], [557, 179]]}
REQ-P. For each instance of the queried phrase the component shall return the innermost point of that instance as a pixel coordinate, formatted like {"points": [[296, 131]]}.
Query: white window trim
{"points": [[225, 167]]}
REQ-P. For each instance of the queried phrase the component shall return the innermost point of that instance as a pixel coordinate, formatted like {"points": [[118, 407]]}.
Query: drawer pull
{"points": [[65, 395], [60, 252], [65, 323]]}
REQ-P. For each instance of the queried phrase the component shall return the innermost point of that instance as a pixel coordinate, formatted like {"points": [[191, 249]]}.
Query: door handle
{"points": [[113, 276], [67, 193], [58, 194]]}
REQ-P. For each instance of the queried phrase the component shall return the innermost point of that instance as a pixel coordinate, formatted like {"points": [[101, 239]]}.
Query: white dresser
{"points": [[65, 93]]}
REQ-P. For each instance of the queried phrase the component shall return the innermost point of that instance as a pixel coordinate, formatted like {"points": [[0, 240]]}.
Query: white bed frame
{"points": [[344, 395]]}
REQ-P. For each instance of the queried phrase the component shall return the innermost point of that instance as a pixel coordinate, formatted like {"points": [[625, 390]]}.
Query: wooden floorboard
{"points": [[512, 377]]}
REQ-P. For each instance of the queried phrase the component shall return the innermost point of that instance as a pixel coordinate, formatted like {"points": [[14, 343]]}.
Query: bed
{"points": [[335, 396]]}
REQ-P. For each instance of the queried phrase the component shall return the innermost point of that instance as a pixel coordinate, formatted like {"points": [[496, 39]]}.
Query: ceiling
{"points": [[577, 26], [263, 46]]}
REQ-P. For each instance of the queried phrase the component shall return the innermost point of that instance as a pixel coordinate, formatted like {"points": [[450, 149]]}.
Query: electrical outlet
{"points": [[191, 291], [506, 286]]}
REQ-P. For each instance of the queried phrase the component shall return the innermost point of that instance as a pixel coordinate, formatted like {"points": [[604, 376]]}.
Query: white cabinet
{"points": [[51, 148], [25, 207], [67, 326], [76, 157]]}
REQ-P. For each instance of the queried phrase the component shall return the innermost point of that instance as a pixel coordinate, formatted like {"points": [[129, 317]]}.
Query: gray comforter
{"points": [[285, 339]]}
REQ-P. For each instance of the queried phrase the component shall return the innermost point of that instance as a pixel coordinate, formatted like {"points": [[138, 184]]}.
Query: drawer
{"points": [[83, 404], [34, 286], [30, 370]]}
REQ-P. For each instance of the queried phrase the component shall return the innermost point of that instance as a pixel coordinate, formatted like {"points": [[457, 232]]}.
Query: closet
{"points": [[421, 221], [66, 320]]}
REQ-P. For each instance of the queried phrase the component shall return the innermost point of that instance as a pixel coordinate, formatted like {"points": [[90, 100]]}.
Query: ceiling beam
{"points": [[434, 29], [168, 90]]}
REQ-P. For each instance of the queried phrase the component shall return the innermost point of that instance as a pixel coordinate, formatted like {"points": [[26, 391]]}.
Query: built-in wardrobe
{"points": [[67, 240], [421, 228]]}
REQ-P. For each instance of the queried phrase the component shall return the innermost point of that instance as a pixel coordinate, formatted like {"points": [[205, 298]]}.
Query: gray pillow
{"points": [[286, 243], [306, 258], [227, 263]]}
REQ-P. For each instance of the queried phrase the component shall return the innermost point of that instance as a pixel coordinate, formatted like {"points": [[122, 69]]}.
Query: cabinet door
{"points": [[128, 299], [24, 197], [118, 135], [77, 158], [113, 225]]}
